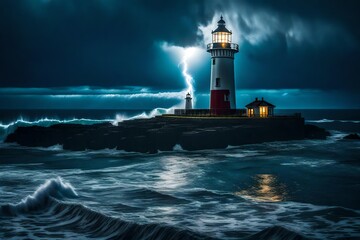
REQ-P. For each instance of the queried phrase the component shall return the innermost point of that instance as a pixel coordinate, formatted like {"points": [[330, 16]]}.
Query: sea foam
{"points": [[153, 113], [6, 129], [52, 188]]}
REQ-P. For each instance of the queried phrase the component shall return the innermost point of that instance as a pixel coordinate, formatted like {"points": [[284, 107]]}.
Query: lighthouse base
{"points": [[219, 99], [215, 112]]}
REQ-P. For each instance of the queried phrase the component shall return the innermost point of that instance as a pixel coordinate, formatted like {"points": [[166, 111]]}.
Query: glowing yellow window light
{"points": [[221, 34], [221, 37], [263, 111]]}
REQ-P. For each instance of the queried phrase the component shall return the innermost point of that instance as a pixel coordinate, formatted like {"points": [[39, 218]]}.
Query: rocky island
{"points": [[164, 132], [220, 126]]}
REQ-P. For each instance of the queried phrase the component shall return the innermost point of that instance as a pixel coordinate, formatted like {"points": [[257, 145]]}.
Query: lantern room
{"points": [[221, 34]]}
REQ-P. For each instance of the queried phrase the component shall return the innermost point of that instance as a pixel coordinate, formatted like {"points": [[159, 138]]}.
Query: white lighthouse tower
{"points": [[222, 83], [188, 102]]}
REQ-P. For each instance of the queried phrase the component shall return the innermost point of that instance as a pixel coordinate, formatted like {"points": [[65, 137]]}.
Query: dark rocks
{"points": [[163, 133], [315, 132], [352, 136]]}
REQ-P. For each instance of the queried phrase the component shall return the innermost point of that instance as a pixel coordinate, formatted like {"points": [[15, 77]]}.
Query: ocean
{"points": [[276, 190]]}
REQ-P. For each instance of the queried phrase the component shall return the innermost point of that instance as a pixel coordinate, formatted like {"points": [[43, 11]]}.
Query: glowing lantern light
{"points": [[221, 34]]}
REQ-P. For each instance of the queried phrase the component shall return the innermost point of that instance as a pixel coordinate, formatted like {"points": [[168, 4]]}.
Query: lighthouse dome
{"points": [[221, 27], [221, 21]]}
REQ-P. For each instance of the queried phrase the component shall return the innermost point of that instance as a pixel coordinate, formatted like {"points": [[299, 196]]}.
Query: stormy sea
{"points": [[308, 189]]}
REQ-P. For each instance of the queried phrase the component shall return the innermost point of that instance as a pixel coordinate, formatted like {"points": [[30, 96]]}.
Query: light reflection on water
{"points": [[266, 188], [174, 174]]}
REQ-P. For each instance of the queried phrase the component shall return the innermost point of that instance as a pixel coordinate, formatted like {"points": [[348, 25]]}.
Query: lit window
{"points": [[263, 111]]}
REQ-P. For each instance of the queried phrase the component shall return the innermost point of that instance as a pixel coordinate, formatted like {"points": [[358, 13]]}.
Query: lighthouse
{"points": [[222, 80], [188, 102]]}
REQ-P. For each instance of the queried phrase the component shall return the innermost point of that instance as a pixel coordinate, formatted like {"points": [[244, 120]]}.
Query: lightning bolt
{"points": [[189, 80], [186, 54]]}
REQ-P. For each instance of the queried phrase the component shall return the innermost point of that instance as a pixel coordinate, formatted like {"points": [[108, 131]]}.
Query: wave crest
{"points": [[6, 129], [79, 219], [155, 112], [52, 188], [332, 121]]}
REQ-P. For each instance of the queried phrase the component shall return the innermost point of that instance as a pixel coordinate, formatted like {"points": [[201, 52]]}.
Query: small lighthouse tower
{"points": [[222, 83], [188, 102]]}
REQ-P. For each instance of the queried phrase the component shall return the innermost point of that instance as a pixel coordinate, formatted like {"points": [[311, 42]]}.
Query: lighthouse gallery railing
{"points": [[232, 46]]}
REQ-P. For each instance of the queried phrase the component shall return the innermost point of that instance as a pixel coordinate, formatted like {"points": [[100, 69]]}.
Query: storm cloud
{"points": [[111, 44]]}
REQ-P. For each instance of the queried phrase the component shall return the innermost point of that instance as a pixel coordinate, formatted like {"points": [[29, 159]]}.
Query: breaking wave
{"points": [[320, 121], [51, 203], [53, 188], [339, 125], [332, 121], [6, 129], [178, 147], [153, 113], [77, 218]]}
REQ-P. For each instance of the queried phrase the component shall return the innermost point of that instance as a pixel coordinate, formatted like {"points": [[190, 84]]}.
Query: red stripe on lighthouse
{"points": [[219, 99]]}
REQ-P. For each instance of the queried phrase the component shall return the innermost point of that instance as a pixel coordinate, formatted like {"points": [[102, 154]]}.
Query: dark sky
{"points": [[56, 46]]}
